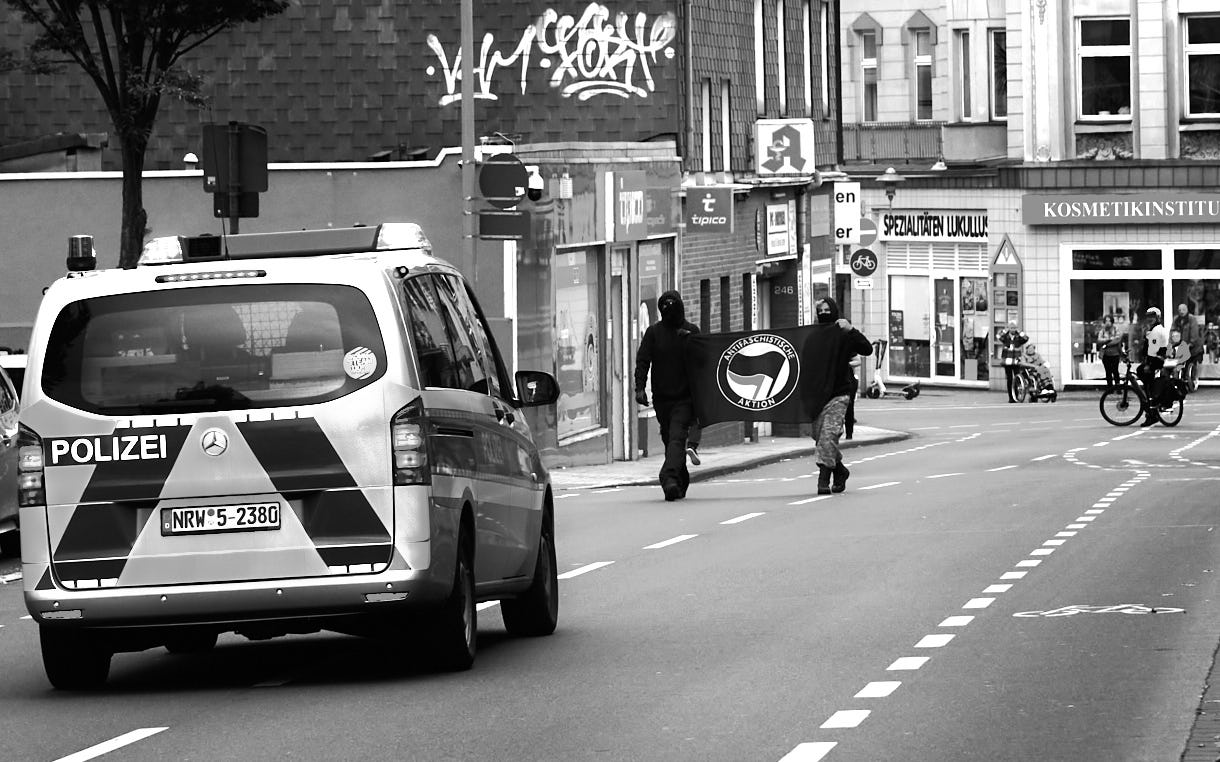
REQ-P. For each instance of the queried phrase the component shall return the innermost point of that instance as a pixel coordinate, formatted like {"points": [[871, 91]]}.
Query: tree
{"points": [[131, 49]]}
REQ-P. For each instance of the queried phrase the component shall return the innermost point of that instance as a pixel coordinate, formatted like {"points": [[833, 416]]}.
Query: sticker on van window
{"points": [[360, 363]]}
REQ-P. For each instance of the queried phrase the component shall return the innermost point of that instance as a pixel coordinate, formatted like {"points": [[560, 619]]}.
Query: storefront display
{"points": [[576, 275]]}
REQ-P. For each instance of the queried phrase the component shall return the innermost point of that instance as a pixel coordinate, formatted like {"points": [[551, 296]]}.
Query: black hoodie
{"points": [[663, 349], [826, 360]]}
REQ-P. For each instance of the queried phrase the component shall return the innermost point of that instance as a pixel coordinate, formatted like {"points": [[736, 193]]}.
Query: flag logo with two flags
{"points": [[746, 375]]}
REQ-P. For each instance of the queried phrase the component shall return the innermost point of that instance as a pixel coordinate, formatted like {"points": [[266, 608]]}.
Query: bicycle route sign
{"points": [[863, 263]]}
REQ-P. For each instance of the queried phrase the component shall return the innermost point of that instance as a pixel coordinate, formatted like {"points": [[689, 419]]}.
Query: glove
{"points": [[641, 398]]}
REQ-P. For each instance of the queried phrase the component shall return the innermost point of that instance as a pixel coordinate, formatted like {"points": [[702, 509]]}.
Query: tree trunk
{"points": [[135, 218]]}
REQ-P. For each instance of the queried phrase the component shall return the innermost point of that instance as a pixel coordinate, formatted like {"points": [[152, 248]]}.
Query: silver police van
{"points": [[276, 433]]}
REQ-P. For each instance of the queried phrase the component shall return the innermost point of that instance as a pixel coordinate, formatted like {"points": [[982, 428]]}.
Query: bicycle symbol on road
{"points": [[1122, 608]]}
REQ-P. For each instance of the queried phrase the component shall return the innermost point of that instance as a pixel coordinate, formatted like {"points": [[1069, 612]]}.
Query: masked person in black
{"points": [[828, 387], [663, 348]]}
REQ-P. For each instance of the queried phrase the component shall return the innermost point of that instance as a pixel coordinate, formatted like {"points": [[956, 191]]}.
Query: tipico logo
{"points": [[758, 372]]}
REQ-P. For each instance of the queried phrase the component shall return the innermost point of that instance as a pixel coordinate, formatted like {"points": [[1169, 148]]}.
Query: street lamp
{"points": [[890, 179]]}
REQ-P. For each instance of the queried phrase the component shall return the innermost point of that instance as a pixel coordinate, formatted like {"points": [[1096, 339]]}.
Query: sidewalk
{"points": [[716, 461]]}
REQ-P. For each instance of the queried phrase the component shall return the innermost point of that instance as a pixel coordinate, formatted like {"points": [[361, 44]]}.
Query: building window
{"points": [[705, 306], [1104, 66], [964, 82], [807, 51], [577, 286], [760, 80], [780, 40], [705, 95], [868, 65], [726, 137], [999, 73], [1203, 66], [923, 74], [726, 304], [824, 49]]}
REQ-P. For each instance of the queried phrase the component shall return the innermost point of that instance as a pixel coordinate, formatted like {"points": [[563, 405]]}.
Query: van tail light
{"points": [[409, 445], [30, 489]]}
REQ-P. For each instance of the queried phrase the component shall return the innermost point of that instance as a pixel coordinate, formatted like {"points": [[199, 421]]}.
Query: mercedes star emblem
{"points": [[214, 442]]}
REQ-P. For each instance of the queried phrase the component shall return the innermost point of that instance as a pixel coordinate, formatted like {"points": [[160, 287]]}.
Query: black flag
{"points": [[747, 375]]}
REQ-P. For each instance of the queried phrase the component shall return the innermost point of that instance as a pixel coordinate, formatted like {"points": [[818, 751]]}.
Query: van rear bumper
{"points": [[233, 603]]}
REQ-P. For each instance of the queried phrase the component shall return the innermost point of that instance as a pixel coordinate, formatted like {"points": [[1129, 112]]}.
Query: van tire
{"points": [[10, 544], [455, 631], [536, 611], [73, 660]]}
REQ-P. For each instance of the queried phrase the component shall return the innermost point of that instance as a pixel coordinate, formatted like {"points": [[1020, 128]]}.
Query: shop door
{"points": [[944, 347], [620, 417]]}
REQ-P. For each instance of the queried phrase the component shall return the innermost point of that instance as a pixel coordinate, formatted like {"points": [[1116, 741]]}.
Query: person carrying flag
{"points": [[828, 386], [663, 349]]}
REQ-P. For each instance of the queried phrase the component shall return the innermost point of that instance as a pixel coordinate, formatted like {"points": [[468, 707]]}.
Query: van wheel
{"points": [[536, 612], [73, 660], [454, 633], [191, 642], [10, 544]]}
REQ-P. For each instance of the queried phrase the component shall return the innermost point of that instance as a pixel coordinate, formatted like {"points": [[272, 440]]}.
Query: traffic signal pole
{"points": [[468, 168]]}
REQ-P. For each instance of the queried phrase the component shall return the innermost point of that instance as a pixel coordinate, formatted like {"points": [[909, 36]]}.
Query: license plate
{"points": [[220, 518]]}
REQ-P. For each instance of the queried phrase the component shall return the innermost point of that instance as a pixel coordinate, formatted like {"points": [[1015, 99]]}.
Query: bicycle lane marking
{"points": [[853, 716], [1178, 453]]}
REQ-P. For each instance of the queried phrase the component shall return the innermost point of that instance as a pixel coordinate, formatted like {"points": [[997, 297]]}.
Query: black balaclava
{"points": [[672, 311], [834, 310]]}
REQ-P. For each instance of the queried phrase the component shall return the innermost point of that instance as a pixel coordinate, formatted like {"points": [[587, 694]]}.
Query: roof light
{"points": [[81, 257], [402, 235], [162, 251], [218, 275]]}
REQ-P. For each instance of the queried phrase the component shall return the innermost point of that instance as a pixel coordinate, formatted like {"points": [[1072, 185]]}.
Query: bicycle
{"points": [[1128, 402]]}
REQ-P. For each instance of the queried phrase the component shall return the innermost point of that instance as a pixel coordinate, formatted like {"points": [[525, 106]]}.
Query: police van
{"points": [[276, 433]]}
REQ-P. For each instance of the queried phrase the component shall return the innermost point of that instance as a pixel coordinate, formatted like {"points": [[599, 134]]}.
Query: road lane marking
{"points": [[27, 616], [478, 607], [1029, 562], [106, 747], [935, 641], [670, 541], [878, 486], [1065, 534], [584, 569], [606, 491], [810, 751], [1100, 444], [978, 603], [1095, 511], [846, 718], [1042, 552], [745, 517], [1076, 526], [942, 476], [956, 621], [1054, 543], [999, 468], [878, 689], [1046, 457], [1013, 575], [908, 662], [997, 588], [808, 500], [7, 578], [1085, 518], [570, 494]]}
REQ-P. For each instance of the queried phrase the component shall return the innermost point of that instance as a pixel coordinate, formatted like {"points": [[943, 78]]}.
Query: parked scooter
{"points": [[878, 389]]}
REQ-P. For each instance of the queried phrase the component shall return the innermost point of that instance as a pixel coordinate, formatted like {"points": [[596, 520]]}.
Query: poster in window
{"points": [[1116, 305], [980, 297], [997, 296], [967, 296], [1012, 299], [1000, 316], [1012, 280], [1012, 316]]}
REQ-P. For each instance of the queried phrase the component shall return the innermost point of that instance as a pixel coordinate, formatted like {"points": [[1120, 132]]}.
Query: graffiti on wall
{"points": [[585, 57]]}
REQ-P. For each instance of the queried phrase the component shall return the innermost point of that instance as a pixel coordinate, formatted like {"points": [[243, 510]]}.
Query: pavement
{"points": [[715, 461]]}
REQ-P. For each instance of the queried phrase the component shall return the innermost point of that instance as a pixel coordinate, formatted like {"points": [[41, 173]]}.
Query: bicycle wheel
{"points": [[1192, 376], [1121, 406], [1020, 386], [1171, 415]]}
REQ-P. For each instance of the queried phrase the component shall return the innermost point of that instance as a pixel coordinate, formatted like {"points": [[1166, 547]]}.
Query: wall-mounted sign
{"points": [[659, 214], [970, 225], [630, 221], [784, 147], [777, 230], [1121, 209], [847, 212], [709, 209]]}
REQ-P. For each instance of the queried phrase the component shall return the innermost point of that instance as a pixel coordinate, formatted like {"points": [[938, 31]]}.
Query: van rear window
{"points": [[214, 348]]}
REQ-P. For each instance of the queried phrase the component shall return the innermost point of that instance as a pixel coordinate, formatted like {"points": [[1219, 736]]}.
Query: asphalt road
{"points": [[1014, 582]]}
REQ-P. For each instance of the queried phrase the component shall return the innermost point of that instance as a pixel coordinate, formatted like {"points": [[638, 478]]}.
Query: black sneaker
{"points": [[672, 492], [1148, 422]]}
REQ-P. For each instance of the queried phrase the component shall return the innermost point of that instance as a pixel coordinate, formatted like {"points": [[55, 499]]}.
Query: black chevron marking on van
{"points": [[99, 538], [44, 582], [136, 479]]}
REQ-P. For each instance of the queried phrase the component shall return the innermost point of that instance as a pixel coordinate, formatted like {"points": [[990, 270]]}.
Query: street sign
{"points": [[504, 226], [864, 284], [503, 180], [709, 209], [868, 231], [864, 262], [847, 213]]}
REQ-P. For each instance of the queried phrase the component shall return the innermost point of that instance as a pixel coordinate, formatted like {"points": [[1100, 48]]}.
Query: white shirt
{"points": [[1158, 339]]}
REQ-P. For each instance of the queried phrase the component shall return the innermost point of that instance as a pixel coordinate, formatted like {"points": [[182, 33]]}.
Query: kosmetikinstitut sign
{"points": [[1129, 209]]}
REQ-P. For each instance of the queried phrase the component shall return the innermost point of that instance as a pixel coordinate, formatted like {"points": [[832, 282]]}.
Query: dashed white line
{"points": [[670, 541], [942, 476], [1029, 562], [1065, 534], [478, 607], [808, 500], [956, 621], [846, 718], [878, 689], [1042, 551], [570, 494], [584, 569], [810, 751], [7, 578], [908, 663], [1054, 542], [1013, 575], [999, 468], [106, 747], [605, 491], [745, 517], [978, 603], [935, 641], [879, 486], [997, 588], [1046, 457], [1076, 526], [1085, 518]]}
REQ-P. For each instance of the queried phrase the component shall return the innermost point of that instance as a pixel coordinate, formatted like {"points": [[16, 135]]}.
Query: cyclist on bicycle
{"points": [[1012, 340], [1150, 371]]}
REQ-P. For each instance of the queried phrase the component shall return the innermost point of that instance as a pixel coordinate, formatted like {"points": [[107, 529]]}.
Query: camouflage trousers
{"points": [[827, 428]]}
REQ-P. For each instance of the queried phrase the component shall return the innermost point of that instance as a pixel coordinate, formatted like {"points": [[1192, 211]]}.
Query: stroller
{"points": [[1040, 386]]}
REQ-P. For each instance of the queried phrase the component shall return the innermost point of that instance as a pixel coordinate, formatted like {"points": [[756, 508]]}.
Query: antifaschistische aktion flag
{"points": [[747, 375]]}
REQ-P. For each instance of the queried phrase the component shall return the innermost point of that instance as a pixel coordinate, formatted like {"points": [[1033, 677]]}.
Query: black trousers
{"points": [[675, 419], [1010, 374], [1150, 374], [1110, 363]]}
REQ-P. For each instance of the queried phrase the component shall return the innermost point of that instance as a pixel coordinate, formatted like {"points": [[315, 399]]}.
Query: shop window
{"points": [[1203, 66], [577, 280], [1116, 259], [1104, 68], [1198, 301], [909, 352], [656, 276], [1121, 301], [998, 61], [976, 329]]}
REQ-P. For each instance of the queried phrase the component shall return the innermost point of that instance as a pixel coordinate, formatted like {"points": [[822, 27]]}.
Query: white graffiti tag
{"points": [[587, 57]]}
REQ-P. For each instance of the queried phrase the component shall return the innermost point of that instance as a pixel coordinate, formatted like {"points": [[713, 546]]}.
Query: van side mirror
{"points": [[536, 388]]}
